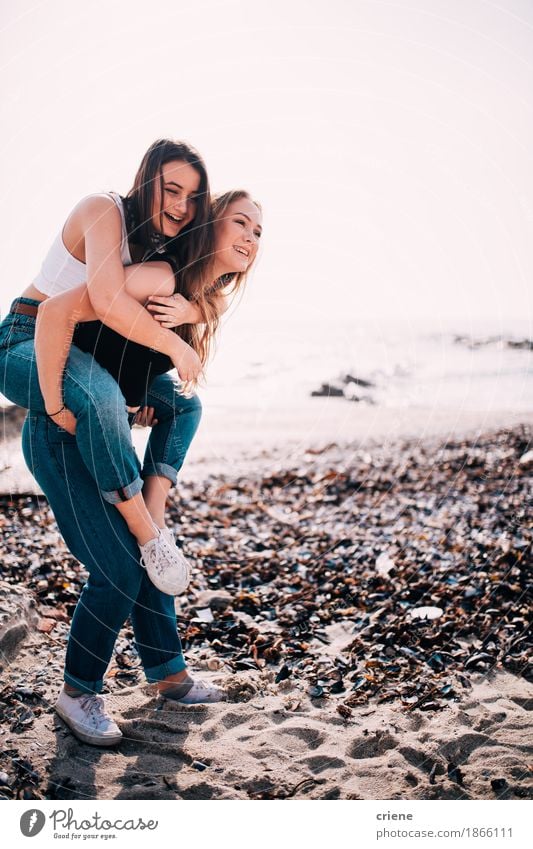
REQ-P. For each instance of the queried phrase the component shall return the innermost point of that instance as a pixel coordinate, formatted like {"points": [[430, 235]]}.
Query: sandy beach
{"points": [[244, 439], [363, 602]]}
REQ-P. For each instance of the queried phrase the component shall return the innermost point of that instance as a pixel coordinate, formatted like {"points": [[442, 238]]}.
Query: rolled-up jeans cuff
{"points": [[84, 686], [158, 673], [117, 496], [161, 470]]}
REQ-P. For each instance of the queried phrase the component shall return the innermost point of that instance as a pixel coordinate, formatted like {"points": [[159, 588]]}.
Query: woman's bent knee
{"points": [[88, 387]]}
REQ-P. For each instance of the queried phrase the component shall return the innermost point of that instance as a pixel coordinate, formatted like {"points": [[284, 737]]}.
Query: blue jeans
{"points": [[103, 434], [70, 470], [117, 586]]}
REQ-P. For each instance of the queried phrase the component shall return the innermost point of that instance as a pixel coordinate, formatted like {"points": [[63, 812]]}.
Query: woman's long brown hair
{"points": [[192, 248]]}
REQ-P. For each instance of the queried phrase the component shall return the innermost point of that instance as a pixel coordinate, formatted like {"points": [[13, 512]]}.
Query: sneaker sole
{"points": [[85, 737], [183, 701], [167, 588], [194, 703]]}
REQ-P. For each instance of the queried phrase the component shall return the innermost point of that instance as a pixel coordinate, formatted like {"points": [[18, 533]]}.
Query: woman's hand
{"points": [[145, 417], [171, 312], [65, 420], [186, 361]]}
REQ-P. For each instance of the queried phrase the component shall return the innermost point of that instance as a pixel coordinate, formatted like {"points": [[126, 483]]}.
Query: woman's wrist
{"points": [[194, 314], [53, 403], [177, 344], [59, 409]]}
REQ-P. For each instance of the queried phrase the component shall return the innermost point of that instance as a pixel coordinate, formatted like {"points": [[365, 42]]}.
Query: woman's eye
{"points": [[171, 192], [258, 234]]}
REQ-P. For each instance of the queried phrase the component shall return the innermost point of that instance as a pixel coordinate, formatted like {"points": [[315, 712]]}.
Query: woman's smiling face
{"points": [[178, 207], [237, 235]]}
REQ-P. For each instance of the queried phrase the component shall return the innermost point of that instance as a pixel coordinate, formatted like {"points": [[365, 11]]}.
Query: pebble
{"points": [[426, 612], [384, 564]]}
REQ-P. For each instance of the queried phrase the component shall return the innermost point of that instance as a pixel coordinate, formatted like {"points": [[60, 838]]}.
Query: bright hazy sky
{"points": [[389, 142]]}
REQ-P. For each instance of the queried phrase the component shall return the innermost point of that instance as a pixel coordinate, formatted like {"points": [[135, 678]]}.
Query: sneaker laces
{"points": [[152, 558], [161, 557], [157, 555], [94, 708]]}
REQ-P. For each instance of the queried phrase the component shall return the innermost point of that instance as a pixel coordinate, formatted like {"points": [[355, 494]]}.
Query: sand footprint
{"points": [[232, 719], [460, 749], [320, 763], [421, 760], [285, 742], [371, 746], [301, 737]]}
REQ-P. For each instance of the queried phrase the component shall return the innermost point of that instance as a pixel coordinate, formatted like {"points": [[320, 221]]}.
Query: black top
{"points": [[132, 365]]}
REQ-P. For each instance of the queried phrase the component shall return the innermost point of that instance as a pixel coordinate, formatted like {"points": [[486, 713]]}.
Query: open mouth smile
{"points": [[241, 251], [174, 218]]}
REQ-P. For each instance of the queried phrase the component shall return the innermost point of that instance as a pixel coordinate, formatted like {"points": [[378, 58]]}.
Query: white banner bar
{"points": [[346, 824]]}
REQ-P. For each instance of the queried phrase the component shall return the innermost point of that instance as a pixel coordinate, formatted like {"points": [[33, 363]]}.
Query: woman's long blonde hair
{"points": [[201, 336]]}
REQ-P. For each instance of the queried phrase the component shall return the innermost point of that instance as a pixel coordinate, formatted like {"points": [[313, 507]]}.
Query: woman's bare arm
{"points": [[113, 305], [58, 316], [56, 320], [152, 284]]}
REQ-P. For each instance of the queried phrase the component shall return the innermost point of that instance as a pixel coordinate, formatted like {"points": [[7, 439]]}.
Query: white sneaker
{"points": [[199, 694], [87, 719], [167, 567]]}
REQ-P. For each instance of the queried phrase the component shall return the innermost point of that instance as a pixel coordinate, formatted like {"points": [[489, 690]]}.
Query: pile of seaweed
{"points": [[422, 550]]}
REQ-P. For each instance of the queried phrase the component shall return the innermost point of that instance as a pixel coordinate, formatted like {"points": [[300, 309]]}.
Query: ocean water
{"points": [[409, 364], [263, 364]]}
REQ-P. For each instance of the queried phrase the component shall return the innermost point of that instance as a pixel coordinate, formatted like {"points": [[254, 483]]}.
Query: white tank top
{"points": [[61, 271]]}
